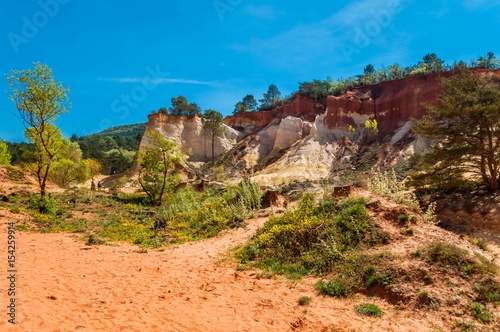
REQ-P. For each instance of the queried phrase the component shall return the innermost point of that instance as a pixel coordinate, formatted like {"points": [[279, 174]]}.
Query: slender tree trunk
{"points": [[213, 149], [165, 170]]}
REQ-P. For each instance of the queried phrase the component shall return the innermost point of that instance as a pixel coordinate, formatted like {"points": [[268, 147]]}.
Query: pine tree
{"points": [[465, 129]]}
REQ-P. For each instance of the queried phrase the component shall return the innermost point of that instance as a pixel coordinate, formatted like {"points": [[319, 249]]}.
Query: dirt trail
{"points": [[63, 285]]}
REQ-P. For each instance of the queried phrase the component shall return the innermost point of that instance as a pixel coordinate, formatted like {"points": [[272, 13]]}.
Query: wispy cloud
{"points": [[264, 12], [152, 81], [320, 43]]}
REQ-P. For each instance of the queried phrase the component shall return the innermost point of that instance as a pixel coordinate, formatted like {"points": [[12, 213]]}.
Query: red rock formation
{"points": [[299, 106], [249, 121], [392, 103]]}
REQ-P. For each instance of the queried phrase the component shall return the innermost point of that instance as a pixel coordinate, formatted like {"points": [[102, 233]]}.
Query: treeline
{"points": [[181, 106], [430, 64], [113, 148], [318, 89]]}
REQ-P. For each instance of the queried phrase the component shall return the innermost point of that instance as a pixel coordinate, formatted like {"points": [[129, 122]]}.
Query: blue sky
{"points": [[123, 59]]}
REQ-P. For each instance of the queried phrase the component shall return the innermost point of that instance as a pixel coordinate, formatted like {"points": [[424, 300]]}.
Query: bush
{"points": [[480, 313], [304, 300], [479, 242], [336, 288], [387, 184], [427, 300], [488, 290], [449, 255], [368, 309], [312, 238], [248, 193]]}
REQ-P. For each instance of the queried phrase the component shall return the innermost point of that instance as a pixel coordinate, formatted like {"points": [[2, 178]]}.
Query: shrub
{"points": [[479, 242], [488, 290], [452, 256], [403, 218], [387, 184], [248, 193], [427, 300], [480, 313], [312, 238], [430, 214], [336, 288], [304, 300], [368, 309]]}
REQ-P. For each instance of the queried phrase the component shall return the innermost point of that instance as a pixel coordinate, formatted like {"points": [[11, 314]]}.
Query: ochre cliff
{"points": [[306, 139], [188, 133], [391, 103]]}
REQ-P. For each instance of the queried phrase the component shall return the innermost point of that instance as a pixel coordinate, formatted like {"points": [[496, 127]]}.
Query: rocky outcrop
{"points": [[392, 104], [306, 139], [188, 133], [298, 106]]}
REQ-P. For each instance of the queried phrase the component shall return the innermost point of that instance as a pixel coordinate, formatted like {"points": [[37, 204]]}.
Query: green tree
{"points": [[180, 106], [431, 64], [247, 104], [489, 61], [316, 89], [369, 75], [465, 126], [272, 96], [39, 100], [395, 72], [68, 167], [212, 124], [5, 156], [157, 167]]}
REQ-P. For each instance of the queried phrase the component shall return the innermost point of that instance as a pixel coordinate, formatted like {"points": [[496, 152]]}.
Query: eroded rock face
{"points": [[299, 106], [187, 132], [305, 138], [392, 104]]}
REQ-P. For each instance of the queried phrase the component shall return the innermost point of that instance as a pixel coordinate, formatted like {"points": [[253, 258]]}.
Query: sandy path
{"points": [[64, 285]]}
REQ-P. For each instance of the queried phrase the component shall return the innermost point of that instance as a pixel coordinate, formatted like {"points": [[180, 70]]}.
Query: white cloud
{"points": [[152, 81], [321, 43]]}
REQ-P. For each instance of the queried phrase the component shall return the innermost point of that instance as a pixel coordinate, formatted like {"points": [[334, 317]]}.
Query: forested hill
{"points": [[121, 137]]}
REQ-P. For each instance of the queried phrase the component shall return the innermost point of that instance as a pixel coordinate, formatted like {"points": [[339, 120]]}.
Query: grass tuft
{"points": [[368, 309]]}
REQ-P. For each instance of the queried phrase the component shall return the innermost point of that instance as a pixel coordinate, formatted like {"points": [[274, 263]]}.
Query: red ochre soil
{"points": [[64, 285]]}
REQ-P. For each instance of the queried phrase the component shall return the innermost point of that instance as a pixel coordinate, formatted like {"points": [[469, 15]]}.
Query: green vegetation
{"points": [[387, 184], [157, 174], [449, 256], [313, 238], [247, 104], [431, 63], [368, 309], [181, 106], [424, 299], [40, 100], [68, 167], [5, 155], [185, 215], [212, 124], [113, 148], [304, 300], [479, 242], [466, 125], [271, 98], [480, 313]]}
